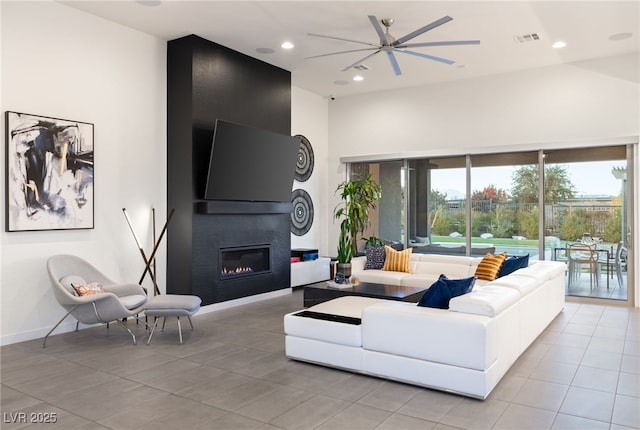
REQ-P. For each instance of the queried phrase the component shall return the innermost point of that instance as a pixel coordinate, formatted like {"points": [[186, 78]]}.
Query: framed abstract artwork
{"points": [[49, 168]]}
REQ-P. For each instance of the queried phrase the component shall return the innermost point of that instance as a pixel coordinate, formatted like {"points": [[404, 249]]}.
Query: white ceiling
{"points": [[248, 25]]}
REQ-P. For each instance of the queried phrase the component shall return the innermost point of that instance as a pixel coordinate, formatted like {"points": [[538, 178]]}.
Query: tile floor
{"points": [[582, 287], [583, 372]]}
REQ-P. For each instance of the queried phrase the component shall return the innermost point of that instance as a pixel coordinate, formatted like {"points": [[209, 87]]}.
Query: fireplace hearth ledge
{"points": [[214, 307]]}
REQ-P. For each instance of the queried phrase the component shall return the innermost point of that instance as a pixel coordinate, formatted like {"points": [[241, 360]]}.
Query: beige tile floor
{"points": [[583, 372]]}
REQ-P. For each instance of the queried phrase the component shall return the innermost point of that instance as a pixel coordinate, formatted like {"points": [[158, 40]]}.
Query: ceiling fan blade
{"points": [[394, 63], [376, 25], [421, 30], [427, 56], [340, 52], [360, 60], [342, 38], [447, 43]]}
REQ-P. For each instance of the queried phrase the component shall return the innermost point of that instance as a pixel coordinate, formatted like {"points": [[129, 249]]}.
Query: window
{"points": [[473, 204]]}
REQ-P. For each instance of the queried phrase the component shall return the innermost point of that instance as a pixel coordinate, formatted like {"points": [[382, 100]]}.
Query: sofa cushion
{"points": [[375, 257], [419, 280], [381, 277], [490, 265], [452, 266], [444, 289], [543, 270], [513, 263], [348, 306], [523, 284], [397, 261], [488, 301]]}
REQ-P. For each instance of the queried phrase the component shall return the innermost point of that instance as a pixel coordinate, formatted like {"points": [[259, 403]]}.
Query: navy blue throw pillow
{"points": [[444, 289], [513, 263], [375, 257]]}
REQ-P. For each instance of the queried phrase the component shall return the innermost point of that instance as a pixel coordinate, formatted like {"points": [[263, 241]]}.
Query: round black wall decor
{"points": [[304, 165], [301, 213]]}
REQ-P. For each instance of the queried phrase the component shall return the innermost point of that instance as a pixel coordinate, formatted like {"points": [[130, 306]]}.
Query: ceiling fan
{"points": [[391, 45]]}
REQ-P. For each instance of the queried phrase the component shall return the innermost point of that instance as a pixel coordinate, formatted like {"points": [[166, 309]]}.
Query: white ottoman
{"points": [[171, 305]]}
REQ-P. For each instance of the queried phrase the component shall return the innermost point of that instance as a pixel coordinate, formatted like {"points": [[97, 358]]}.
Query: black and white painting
{"points": [[49, 171]]}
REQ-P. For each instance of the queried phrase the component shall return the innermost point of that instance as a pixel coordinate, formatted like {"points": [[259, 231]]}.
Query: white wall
{"points": [[310, 118], [556, 103], [63, 63], [59, 62]]}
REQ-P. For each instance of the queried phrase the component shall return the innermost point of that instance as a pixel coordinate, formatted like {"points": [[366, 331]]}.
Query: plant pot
{"points": [[343, 273]]}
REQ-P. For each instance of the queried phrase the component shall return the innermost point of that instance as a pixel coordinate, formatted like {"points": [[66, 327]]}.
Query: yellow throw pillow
{"points": [[490, 265], [397, 261]]}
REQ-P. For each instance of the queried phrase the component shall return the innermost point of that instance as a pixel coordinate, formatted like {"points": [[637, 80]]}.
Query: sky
{"points": [[589, 178]]}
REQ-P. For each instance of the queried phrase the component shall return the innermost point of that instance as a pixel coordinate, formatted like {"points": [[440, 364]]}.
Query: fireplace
{"points": [[243, 261], [244, 249]]}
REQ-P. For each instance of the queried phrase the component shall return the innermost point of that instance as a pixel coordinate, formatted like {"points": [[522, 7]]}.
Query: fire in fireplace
{"points": [[244, 261]]}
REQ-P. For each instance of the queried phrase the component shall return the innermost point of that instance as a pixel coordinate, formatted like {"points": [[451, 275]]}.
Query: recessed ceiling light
{"points": [[358, 78], [620, 36], [341, 82], [286, 45], [559, 44], [265, 50]]}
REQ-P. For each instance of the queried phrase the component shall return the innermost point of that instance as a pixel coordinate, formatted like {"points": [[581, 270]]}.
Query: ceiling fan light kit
{"points": [[390, 45]]}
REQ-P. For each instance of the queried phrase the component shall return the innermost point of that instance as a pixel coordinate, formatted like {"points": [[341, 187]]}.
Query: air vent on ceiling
{"points": [[524, 38], [360, 67]]}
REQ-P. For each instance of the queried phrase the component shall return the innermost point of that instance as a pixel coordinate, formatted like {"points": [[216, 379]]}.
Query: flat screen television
{"points": [[250, 164]]}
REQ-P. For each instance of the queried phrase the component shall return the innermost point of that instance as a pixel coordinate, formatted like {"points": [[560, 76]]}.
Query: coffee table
{"points": [[321, 292]]}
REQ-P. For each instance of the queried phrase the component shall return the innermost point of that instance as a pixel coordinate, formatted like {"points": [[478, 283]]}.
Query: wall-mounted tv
{"points": [[251, 164]]}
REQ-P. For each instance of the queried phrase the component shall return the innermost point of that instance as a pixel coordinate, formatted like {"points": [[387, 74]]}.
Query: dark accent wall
{"points": [[205, 82]]}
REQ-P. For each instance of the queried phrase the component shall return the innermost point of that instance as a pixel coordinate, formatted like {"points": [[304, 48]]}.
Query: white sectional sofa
{"points": [[465, 349]]}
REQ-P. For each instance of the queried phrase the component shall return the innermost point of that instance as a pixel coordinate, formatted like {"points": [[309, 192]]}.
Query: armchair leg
{"points": [[179, 330], [139, 320], [130, 332], [44, 341], [153, 327]]}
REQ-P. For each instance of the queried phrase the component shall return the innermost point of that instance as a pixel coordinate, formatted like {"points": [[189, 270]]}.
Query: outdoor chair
{"points": [[580, 255], [621, 252]]}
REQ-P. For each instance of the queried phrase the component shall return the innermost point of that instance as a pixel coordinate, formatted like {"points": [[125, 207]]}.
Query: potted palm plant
{"points": [[359, 196]]}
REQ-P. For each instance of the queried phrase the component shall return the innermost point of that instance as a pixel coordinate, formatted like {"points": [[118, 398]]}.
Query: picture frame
{"points": [[49, 182]]}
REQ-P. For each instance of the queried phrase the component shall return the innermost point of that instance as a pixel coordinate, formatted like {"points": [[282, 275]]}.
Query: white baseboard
{"points": [[70, 324], [243, 301], [67, 326]]}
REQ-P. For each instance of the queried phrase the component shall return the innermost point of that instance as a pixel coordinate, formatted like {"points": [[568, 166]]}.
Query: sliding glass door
{"points": [[538, 203], [586, 217], [387, 221], [504, 204], [437, 205]]}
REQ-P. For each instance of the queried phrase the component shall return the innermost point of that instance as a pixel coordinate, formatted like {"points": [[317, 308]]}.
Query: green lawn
{"points": [[493, 241]]}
